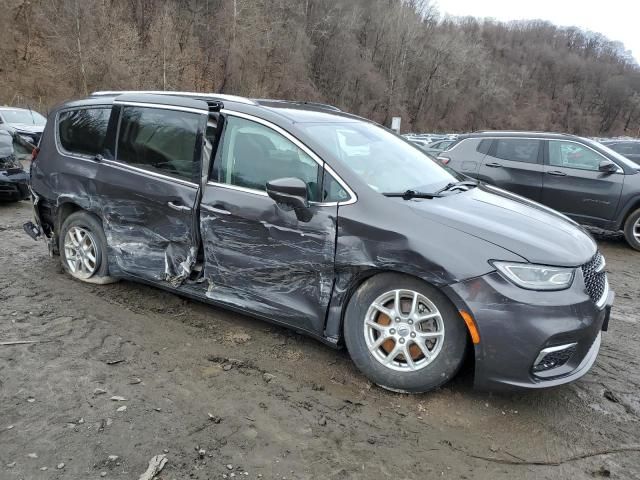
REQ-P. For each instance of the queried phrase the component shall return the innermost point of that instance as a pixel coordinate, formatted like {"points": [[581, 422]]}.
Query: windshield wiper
{"points": [[409, 194], [451, 186]]}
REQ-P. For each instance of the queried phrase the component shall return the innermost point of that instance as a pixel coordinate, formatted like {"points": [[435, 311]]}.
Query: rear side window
{"points": [[517, 150], [160, 141], [484, 146], [83, 131]]}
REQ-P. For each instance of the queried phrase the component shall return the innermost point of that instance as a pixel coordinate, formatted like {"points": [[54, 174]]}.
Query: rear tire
{"points": [[632, 230], [414, 350], [83, 248]]}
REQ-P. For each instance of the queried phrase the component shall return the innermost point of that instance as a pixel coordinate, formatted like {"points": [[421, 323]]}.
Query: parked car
{"points": [[14, 181], [25, 125], [435, 148], [627, 148], [326, 223], [581, 178]]}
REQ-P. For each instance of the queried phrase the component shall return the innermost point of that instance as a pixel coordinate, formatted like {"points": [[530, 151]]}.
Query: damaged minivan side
{"points": [[324, 222]]}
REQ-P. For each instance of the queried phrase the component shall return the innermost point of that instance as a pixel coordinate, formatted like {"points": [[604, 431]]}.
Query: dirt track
{"points": [[283, 405]]}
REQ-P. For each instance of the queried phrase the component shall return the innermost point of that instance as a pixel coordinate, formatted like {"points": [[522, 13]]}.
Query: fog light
{"points": [[553, 357]]}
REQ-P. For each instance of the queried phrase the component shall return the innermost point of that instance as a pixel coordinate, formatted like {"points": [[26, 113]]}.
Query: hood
{"points": [[532, 231]]}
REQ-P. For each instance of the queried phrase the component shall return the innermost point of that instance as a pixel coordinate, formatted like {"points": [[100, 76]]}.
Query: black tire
{"points": [[446, 363], [93, 225], [630, 226]]}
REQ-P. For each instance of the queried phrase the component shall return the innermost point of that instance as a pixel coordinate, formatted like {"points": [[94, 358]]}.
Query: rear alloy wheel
{"points": [[403, 334], [632, 229], [80, 252], [83, 248]]}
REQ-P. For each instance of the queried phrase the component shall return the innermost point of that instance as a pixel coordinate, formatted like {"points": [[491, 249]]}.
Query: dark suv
{"points": [[579, 177], [324, 222]]}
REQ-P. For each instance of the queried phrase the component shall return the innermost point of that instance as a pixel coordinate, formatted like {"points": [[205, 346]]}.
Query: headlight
{"points": [[537, 277]]}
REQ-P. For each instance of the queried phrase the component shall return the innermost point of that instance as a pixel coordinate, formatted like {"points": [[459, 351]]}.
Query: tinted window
{"points": [[573, 155], [252, 154], [517, 150], [161, 141], [83, 131], [484, 146]]}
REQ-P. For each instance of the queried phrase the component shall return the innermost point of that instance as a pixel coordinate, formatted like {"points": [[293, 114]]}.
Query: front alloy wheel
{"points": [[404, 330], [404, 334]]}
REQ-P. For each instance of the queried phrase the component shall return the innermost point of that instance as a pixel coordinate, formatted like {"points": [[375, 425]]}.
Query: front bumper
{"points": [[516, 325], [14, 186]]}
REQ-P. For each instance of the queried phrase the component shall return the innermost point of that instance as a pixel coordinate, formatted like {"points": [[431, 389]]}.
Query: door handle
{"points": [[493, 165], [557, 173], [176, 206]]}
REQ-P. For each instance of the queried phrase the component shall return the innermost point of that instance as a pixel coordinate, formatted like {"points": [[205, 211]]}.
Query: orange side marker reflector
{"points": [[471, 325]]}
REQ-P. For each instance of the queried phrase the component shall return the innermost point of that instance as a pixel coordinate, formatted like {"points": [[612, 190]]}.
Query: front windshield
{"points": [[27, 117], [385, 161], [617, 156]]}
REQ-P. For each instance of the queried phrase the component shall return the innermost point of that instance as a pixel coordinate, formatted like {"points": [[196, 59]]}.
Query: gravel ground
{"points": [[226, 396]]}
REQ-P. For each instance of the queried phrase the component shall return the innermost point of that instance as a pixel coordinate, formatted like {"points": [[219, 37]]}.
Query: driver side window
{"points": [[573, 155], [251, 154]]}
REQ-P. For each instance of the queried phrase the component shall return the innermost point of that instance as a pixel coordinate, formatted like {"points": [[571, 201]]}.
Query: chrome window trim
{"points": [[352, 196], [125, 166], [162, 107]]}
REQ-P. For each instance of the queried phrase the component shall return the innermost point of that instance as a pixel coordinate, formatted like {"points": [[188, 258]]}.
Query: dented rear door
{"points": [[149, 190]]}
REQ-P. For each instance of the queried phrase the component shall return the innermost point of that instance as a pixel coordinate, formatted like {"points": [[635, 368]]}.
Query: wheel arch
{"points": [[334, 328], [629, 208]]}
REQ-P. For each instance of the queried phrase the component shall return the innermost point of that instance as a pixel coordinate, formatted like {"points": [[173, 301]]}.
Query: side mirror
{"points": [[607, 166], [291, 194]]}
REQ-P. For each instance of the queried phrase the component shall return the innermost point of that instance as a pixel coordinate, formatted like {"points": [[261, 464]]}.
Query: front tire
{"points": [[403, 334], [83, 248], [632, 230]]}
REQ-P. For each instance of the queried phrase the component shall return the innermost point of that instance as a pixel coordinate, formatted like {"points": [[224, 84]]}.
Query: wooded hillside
{"points": [[376, 58]]}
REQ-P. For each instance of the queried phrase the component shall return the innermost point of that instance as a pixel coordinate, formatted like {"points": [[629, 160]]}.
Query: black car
{"points": [[581, 178], [627, 148], [324, 222], [14, 181]]}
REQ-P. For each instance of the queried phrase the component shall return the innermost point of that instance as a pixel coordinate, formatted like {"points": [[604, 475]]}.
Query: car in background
{"points": [[14, 181], [24, 124], [585, 180], [628, 148], [435, 148]]}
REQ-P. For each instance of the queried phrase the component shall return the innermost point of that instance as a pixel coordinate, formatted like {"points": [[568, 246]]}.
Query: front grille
{"points": [[595, 278], [553, 357]]}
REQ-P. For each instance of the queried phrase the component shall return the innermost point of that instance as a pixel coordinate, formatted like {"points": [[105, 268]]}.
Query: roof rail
{"points": [[542, 132], [214, 96], [326, 106]]}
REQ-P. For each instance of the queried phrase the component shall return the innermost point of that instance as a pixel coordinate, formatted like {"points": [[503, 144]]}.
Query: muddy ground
{"points": [[222, 394]]}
